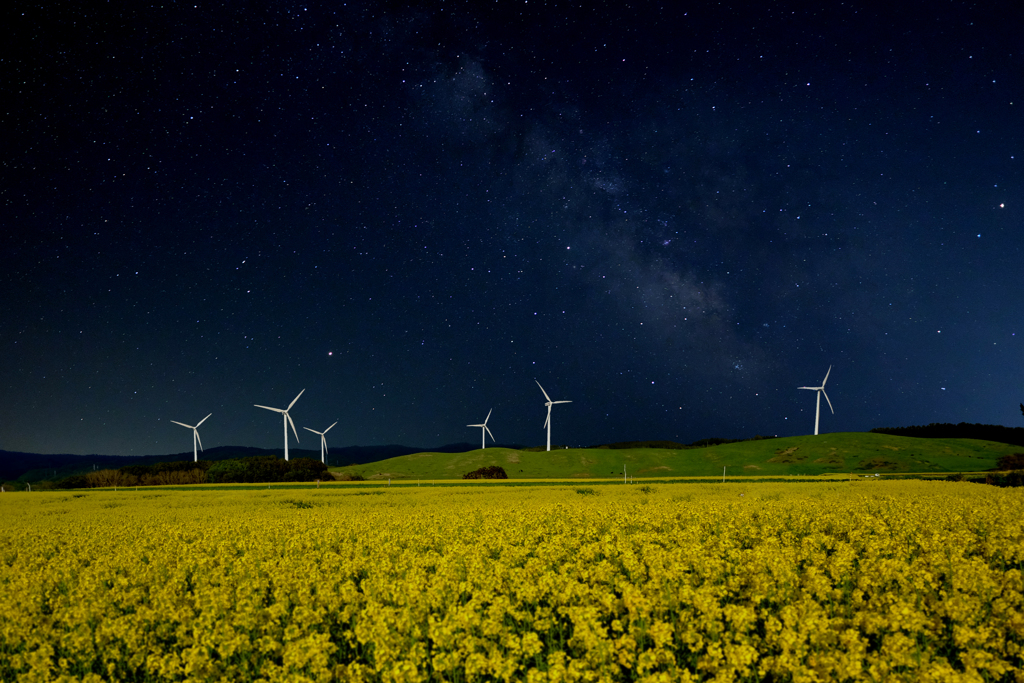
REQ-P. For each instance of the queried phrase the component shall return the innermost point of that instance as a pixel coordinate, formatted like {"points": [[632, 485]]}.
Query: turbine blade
{"points": [[488, 415], [829, 402], [311, 430], [826, 376], [183, 424], [292, 423], [203, 420], [329, 428], [542, 391], [809, 388], [561, 402], [276, 410], [488, 430], [198, 438], [475, 425], [323, 440], [294, 400]]}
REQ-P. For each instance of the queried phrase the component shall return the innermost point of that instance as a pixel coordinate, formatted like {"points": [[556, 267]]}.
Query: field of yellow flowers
{"points": [[872, 581]]}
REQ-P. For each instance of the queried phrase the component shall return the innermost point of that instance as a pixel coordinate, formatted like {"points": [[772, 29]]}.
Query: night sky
{"points": [[671, 214]]}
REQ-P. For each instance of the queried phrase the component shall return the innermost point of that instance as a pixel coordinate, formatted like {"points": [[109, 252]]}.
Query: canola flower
{"points": [[863, 581]]}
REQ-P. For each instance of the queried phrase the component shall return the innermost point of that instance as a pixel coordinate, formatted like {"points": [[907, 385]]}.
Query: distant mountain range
{"points": [[38, 467]]}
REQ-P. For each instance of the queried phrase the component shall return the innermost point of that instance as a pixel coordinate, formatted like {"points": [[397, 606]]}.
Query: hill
{"points": [[849, 452]]}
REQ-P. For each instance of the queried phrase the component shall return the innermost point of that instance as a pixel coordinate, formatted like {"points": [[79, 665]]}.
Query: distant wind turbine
{"points": [[287, 419], [485, 430], [547, 422], [323, 441], [820, 390], [195, 436]]}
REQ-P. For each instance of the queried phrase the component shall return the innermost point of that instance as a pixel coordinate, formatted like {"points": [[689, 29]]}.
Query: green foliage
{"points": [[835, 453], [586, 491], [264, 469], [75, 481], [1011, 479], [225, 471], [1014, 461]]}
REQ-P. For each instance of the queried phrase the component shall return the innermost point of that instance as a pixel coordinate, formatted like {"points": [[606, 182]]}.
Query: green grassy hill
{"points": [[845, 452]]}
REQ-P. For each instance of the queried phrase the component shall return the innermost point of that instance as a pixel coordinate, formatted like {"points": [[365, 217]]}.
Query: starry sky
{"points": [[671, 214]]}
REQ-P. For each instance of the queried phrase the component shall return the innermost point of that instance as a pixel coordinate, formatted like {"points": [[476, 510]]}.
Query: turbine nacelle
{"points": [[287, 420], [548, 403], [485, 430], [195, 435], [821, 392], [323, 439]]}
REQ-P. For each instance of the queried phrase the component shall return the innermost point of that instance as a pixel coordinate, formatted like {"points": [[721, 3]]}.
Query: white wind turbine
{"points": [[287, 419], [323, 441], [485, 430], [820, 390], [195, 436], [547, 422]]}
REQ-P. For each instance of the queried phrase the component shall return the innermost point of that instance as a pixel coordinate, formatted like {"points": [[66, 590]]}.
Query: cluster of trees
{"points": [[266, 468], [963, 430], [256, 469], [491, 472], [159, 474]]}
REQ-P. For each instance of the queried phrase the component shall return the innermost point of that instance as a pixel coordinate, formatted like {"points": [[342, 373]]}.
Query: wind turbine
{"points": [[323, 440], [547, 422], [484, 431], [820, 390], [195, 436], [287, 419]]}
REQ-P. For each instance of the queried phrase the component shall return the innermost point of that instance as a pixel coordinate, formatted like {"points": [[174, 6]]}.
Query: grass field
{"points": [[747, 581], [848, 452]]}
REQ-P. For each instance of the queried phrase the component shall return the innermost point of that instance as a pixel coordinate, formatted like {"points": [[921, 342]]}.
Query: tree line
{"points": [[945, 430], [255, 469]]}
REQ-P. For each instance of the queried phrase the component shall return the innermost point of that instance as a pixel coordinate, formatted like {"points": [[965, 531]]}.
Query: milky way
{"points": [[671, 217]]}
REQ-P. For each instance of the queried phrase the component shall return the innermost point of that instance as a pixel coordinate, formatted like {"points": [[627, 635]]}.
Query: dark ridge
{"points": [[700, 443], [52, 467], [643, 444], [945, 430]]}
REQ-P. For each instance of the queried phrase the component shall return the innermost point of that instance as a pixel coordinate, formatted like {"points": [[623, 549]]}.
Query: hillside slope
{"points": [[850, 452]]}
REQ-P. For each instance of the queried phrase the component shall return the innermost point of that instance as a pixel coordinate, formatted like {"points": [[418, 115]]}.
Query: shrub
{"points": [[75, 481], [491, 472], [305, 469], [226, 471], [1014, 461]]}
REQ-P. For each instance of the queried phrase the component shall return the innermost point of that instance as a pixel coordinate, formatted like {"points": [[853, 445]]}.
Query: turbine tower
{"points": [[195, 436], [485, 430], [547, 422], [820, 390], [287, 419], [323, 441]]}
